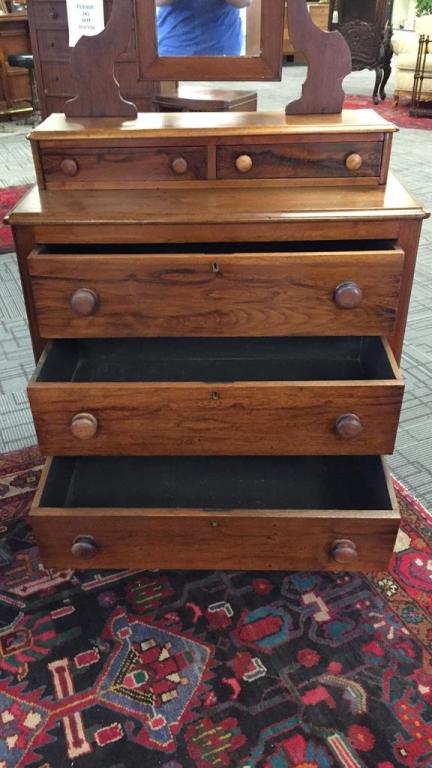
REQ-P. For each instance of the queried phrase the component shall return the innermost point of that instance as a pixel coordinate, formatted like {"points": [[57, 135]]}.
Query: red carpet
{"points": [[210, 669], [9, 196], [398, 115]]}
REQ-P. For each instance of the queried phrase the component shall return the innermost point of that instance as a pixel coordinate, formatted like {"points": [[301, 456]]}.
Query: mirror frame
{"points": [[267, 66]]}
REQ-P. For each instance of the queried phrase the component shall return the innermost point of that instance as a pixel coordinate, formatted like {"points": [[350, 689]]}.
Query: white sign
{"points": [[85, 17]]}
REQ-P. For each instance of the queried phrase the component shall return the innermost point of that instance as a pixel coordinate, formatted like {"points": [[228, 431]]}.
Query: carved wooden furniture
{"points": [[366, 26], [15, 87], [217, 304], [50, 46], [319, 13]]}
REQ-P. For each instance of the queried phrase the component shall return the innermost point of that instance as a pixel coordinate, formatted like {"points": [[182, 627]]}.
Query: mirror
{"points": [[209, 39], [208, 27]]}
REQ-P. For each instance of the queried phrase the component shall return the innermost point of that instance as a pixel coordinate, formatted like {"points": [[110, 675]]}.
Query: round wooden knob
{"points": [[179, 166], [84, 547], [344, 551], [84, 301], [84, 426], [244, 163], [354, 162], [348, 295], [348, 426], [69, 166]]}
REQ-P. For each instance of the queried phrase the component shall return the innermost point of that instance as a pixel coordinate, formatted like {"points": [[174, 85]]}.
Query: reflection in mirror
{"points": [[208, 27]]}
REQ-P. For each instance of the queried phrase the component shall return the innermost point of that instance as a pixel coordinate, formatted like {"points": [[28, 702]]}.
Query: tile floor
{"points": [[411, 161]]}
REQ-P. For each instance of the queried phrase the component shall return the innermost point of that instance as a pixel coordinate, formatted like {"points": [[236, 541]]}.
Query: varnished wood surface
{"points": [[271, 539], [243, 294], [252, 418], [199, 539], [192, 207], [205, 124], [301, 161]]}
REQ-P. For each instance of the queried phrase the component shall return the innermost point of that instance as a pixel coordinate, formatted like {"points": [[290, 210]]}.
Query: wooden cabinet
{"points": [[15, 87], [50, 46], [219, 341]]}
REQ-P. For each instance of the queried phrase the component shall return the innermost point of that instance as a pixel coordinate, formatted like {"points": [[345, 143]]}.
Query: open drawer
{"points": [[272, 513], [277, 289], [312, 395]]}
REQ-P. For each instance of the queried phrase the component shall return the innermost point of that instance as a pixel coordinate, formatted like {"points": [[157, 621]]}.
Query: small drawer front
{"points": [[328, 294], [299, 161], [53, 44], [81, 515], [50, 15], [112, 168], [144, 398]]}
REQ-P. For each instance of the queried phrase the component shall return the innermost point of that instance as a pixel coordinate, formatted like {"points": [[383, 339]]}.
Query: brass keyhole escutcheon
{"points": [[215, 395]]}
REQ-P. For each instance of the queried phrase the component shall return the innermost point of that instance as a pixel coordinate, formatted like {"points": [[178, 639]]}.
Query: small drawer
{"points": [[299, 161], [286, 291], [50, 15], [297, 513], [53, 44], [217, 396], [109, 167]]}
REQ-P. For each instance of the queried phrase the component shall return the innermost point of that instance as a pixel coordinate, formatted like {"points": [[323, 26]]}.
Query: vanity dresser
{"points": [[217, 304]]}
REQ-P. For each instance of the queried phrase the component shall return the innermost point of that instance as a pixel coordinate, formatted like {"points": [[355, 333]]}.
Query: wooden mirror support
{"points": [[329, 61], [93, 58], [92, 64]]}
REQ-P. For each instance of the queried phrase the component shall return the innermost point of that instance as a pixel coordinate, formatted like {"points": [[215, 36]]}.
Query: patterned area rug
{"points": [[9, 196], [398, 115], [211, 669]]}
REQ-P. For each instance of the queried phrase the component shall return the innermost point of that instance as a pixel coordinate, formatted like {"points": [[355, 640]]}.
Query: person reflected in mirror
{"points": [[200, 27]]}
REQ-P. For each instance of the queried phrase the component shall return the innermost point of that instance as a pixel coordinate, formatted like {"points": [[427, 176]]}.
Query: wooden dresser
{"points": [[218, 304]]}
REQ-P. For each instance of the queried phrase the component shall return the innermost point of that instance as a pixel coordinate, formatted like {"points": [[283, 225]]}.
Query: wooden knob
{"points": [[84, 426], [84, 547], [354, 162], [348, 426], [53, 14], [348, 295], [344, 551], [69, 166], [84, 301], [244, 163], [179, 166]]}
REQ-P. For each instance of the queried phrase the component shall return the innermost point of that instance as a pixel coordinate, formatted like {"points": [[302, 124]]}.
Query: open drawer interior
{"points": [[219, 483], [217, 360]]}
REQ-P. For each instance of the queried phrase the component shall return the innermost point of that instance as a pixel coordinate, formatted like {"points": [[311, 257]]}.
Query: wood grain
{"points": [[251, 418], [329, 62], [249, 295], [119, 167], [301, 161], [98, 92], [268, 540]]}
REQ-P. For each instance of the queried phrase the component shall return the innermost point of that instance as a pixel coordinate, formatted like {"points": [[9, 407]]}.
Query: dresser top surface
{"points": [[216, 206], [203, 124]]}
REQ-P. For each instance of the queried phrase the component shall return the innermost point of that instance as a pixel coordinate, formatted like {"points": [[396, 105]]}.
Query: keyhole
{"points": [[215, 266], [215, 396]]}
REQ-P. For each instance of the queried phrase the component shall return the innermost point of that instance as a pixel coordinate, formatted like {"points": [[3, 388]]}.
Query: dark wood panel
{"points": [[223, 295], [139, 399], [300, 161], [69, 504], [112, 166]]}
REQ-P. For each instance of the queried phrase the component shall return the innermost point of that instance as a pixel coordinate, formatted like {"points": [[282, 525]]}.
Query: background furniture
{"points": [[15, 85], [420, 106], [26, 61], [366, 26], [319, 13], [50, 46], [405, 45], [189, 98]]}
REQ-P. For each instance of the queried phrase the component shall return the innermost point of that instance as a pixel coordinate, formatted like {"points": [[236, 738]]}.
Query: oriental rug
{"points": [[177, 669]]}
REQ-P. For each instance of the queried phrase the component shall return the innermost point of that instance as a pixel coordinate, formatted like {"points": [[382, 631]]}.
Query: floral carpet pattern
{"points": [[211, 669], [9, 196]]}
